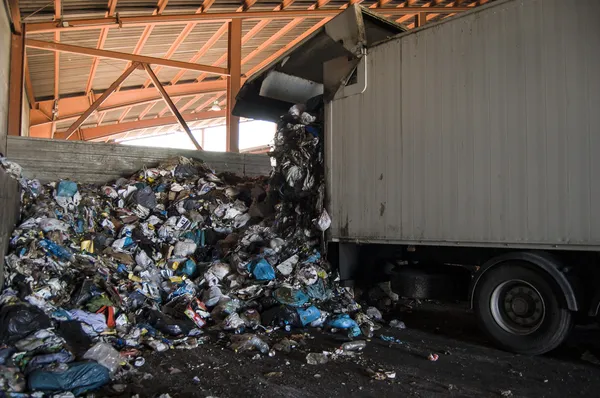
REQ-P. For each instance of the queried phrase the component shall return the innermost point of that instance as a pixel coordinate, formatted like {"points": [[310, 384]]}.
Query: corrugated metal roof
{"points": [[75, 69]]}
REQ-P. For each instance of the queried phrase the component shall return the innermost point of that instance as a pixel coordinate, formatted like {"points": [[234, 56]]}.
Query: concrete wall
{"points": [[51, 160], [4, 74], [9, 214]]}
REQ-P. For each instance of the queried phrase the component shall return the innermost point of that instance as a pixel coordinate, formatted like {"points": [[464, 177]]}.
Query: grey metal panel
{"points": [[481, 130], [51, 160]]}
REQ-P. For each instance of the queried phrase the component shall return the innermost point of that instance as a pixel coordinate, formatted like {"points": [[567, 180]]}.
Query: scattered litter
{"points": [[316, 358], [390, 339], [139, 362], [395, 323], [274, 374], [381, 374], [433, 357], [506, 393]]}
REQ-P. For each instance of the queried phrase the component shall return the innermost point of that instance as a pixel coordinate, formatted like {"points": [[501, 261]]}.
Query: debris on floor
{"points": [[99, 275]]}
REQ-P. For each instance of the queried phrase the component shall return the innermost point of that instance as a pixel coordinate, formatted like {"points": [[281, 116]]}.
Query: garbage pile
{"points": [[98, 275]]}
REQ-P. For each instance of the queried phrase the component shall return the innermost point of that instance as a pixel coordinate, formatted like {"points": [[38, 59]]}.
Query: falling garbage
{"points": [[104, 273]]}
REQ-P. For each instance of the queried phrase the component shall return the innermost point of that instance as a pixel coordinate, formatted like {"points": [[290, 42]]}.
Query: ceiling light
{"points": [[215, 106]]}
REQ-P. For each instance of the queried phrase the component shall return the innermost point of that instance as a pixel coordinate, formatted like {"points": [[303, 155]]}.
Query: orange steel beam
{"points": [[287, 47], [114, 129], [409, 16], [15, 16], [182, 36], [92, 74], [57, 17], [15, 84], [112, 5], [73, 107], [203, 50], [59, 47], [77, 124], [162, 4], [234, 64], [178, 19], [172, 106], [429, 16], [251, 33]]}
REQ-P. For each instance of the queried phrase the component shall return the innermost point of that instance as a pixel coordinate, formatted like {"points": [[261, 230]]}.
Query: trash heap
{"points": [[97, 275]]}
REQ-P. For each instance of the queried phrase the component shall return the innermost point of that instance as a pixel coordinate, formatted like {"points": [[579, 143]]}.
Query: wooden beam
{"points": [[68, 48], [77, 124], [234, 63], [15, 16], [114, 129], [172, 106], [178, 19], [15, 84]]}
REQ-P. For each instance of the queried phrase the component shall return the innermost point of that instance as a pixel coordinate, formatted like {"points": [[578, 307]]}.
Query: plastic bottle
{"points": [[357, 345], [248, 342]]}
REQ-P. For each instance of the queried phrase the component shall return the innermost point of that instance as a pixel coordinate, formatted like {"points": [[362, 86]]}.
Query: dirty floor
{"points": [[468, 366]]}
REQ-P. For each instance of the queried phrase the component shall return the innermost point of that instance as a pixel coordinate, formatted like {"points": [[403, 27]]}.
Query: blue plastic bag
{"points": [[57, 251], [66, 189], [189, 268], [261, 269], [78, 378], [308, 315], [343, 321]]}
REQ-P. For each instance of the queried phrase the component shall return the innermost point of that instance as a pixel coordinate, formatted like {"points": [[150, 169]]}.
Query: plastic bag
{"points": [[324, 221], [19, 320], [105, 355], [308, 315], [290, 296], [343, 321], [145, 197], [66, 189], [76, 377], [261, 269], [184, 249], [248, 342]]}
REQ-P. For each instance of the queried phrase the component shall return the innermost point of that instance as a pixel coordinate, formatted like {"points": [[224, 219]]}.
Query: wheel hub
{"points": [[518, 307]]}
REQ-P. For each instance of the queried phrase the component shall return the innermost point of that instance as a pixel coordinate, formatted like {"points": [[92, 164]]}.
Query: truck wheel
{"points": [[520, 310]]}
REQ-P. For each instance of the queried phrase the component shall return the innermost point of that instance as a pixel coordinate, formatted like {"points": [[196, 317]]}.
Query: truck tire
{"points": [[520, 308]]}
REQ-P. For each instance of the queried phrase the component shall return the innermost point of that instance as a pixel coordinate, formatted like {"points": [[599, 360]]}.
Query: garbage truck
{"points": [[467, 144]]}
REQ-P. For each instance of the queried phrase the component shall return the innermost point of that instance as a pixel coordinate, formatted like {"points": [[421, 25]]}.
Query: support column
{"points": [[15, 97], [234, 82]]}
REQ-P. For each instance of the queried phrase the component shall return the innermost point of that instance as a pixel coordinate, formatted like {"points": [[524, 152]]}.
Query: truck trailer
{"points": [[469, 143]]}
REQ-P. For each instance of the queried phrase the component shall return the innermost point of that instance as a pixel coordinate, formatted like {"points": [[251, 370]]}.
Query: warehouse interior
{"points": [[61, 57], [299, 198]]}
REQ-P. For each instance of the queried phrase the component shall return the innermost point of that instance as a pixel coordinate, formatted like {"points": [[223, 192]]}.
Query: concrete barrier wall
{"points": [[51, 160], [9, 214]]}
